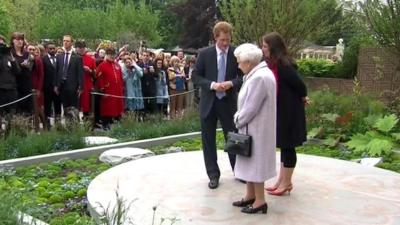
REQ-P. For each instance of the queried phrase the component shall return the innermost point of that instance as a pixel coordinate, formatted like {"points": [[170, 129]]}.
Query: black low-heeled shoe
{"points": [[250, 210], [243, 203]]}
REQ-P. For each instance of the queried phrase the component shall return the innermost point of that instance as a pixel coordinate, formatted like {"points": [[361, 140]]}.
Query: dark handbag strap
{"points": [[247, 129]]}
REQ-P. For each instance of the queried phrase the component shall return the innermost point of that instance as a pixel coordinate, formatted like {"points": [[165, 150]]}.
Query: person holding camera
{"points": [[149, 88], [89, 77], [132, 75], [24, 77], [9, 68], [162, 87], [2, 39]]}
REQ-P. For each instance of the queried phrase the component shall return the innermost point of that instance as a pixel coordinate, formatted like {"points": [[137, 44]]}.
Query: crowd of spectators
{"points": [[46, 81]]}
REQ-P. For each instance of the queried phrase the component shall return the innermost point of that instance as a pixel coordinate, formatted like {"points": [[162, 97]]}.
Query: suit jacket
{"points": [[206, 71], [50, 73], [74, 72]]}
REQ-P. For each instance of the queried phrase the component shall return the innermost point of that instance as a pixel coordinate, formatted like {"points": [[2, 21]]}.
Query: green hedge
{"points": [[322, 68]]}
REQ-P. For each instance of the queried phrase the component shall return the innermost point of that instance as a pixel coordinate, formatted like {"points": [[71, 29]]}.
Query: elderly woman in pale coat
{"points": [[257, 111]]}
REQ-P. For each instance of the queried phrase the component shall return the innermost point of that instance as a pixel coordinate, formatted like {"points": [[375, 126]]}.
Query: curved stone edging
{"points": [[97, 150]]}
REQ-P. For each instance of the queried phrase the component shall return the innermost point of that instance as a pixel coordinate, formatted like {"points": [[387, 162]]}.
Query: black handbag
{"points": [[239, 144]]}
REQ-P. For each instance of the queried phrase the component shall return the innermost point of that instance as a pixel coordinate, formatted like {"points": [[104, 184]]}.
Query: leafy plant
{"points": [[116, 215], [333, 128], [54, 192], [378, 141], [316, 68], [352, 111]]}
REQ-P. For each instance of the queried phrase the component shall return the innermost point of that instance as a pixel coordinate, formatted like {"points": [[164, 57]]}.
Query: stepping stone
{"points": [[370, 161], [121, 155], [99, 140], [173, 149]]}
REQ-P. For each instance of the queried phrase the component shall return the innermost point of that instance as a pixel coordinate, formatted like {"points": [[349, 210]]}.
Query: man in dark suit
{"points": [[68, 83], [50, 74], [217, 74]]}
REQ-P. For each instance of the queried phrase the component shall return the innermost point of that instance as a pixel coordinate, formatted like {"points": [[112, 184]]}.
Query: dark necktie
{"points": [[65, 68]]}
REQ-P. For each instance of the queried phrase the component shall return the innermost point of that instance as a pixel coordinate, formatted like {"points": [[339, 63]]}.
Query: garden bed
{"points": [[56, 192], [52, 192], [23, 143]]}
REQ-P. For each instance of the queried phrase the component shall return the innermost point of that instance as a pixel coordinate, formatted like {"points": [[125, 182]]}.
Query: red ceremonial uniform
{"points": [[90, 62], [109, 80], [38, 79]]}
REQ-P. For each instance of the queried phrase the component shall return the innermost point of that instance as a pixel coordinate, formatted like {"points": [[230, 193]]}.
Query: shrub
{"points": [[20, 143], [349, 112], [130, 129], [316, 68]]}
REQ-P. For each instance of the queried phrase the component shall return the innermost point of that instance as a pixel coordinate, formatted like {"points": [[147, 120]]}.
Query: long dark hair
{"points": [[17, 35], [157, 70], [277, 49]]}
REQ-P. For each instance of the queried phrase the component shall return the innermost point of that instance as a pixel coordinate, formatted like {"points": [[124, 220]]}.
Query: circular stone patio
{"points": [[326, 191]]}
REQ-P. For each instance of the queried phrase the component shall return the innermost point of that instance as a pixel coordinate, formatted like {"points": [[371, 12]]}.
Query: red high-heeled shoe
{"points": [[282, 192], [271, 188]]}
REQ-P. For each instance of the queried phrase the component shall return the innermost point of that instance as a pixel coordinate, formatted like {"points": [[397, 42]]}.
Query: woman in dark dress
{"points": [[24, 78], [291, 99]]}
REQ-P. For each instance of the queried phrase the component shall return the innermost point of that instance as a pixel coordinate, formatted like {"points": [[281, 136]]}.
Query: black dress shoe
{"points": [[214, 182], [243, 203], [250, 210], [241, 181]]}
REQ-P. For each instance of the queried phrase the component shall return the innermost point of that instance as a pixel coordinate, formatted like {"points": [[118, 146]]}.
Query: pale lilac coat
{"points": [[257, 108]]}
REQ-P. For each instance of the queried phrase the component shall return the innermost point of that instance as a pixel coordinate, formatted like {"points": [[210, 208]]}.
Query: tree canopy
{"points": [[383, 18], [295, 20]]}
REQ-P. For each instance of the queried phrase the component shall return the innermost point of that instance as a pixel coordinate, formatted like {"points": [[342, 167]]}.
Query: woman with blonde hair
{"points": [[176, 85]]}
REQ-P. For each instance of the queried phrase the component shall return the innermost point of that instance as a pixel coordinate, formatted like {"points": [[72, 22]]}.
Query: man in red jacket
{"points": [[110, 82]]}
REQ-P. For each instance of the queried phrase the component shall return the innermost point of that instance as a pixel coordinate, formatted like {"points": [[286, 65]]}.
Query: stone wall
{"points": [[343, 86], [378, 71]]}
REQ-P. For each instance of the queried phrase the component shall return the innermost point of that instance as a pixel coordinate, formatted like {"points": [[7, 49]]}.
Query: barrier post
{"points": [[35, 110], [93, 106]]}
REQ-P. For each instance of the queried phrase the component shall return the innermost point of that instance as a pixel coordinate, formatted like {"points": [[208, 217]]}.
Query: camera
{"points": [[4, 50], [143, 44]]}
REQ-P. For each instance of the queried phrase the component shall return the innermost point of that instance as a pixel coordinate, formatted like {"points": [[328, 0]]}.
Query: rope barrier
{"points": [[124, 97], [16, 101]]}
